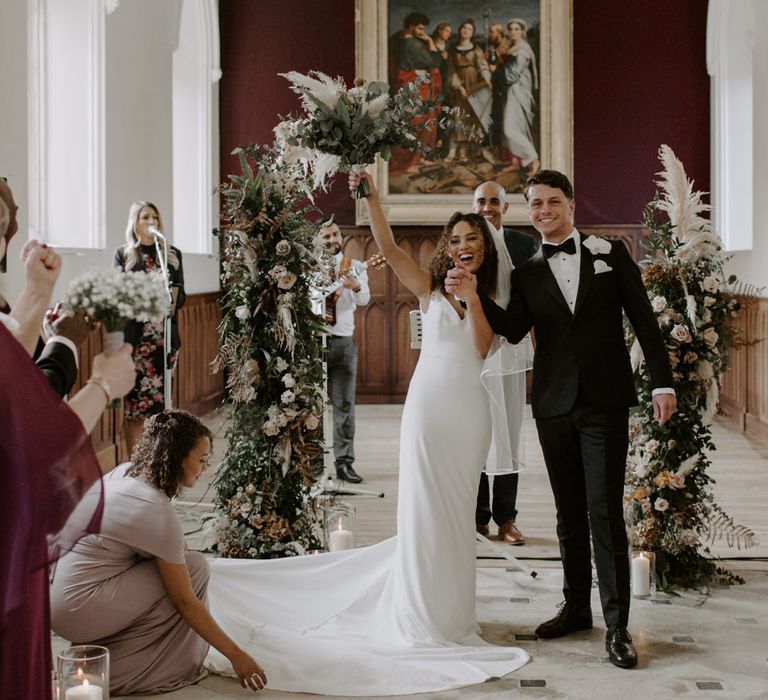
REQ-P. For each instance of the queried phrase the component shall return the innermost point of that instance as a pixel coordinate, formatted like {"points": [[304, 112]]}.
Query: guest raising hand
{"points": [[134, 588]]}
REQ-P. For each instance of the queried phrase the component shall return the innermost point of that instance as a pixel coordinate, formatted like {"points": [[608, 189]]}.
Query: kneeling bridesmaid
{"points": [[134, 588]]}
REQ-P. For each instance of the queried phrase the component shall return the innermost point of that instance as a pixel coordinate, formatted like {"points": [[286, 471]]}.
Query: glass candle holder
{"points": [[82, 673], [339, 525], [643, 574]]}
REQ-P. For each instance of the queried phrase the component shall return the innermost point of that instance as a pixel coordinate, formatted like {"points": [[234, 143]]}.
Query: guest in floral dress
{"points": [[139, 253]]}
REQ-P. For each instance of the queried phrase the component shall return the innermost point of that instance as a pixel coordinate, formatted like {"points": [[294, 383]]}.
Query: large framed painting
{"points": [[506, 63]]}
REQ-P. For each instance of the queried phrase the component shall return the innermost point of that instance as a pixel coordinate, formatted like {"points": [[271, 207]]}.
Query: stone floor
{"points": [[690, 645]]}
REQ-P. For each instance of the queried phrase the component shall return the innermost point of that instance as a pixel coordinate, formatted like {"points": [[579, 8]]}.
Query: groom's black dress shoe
{"points": [[346, 473], [618, 644], [570, 619]]}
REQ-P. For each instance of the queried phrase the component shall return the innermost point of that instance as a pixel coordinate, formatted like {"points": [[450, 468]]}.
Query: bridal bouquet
{"points": [[114, 297], [343, 129]]}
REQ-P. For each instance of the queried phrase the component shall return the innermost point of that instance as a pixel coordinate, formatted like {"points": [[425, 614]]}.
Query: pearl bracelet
{"points": [[103, 385]]}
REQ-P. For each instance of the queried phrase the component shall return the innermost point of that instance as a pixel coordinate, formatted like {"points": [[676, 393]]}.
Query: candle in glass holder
{"points": [[641, 575], [86, 691], [340, 540]]}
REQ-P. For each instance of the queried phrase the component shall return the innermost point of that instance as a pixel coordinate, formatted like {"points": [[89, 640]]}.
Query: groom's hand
{"points": [[454, 278], [664, 405]]}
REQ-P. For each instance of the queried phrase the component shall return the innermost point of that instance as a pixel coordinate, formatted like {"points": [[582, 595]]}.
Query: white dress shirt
{"points": [[566, 269], [348, 302]]}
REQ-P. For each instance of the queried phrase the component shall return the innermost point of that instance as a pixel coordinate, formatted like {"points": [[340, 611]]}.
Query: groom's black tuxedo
{"points": [[584, 350], [582, 389]]}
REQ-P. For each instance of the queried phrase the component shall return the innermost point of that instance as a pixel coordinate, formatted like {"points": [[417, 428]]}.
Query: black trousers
{"points": [[504, 499], [586, 452]]}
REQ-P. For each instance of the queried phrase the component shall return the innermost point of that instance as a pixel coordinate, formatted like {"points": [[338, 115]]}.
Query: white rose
{"points": [[661, 504], [287, 397], [690, 357], [283, 248], [677, 481], [681, 334], [710, 337], [597, 245], [710, 284], [242, 312], [659, 304], [708, 301], [289, 381], [270, 428]]}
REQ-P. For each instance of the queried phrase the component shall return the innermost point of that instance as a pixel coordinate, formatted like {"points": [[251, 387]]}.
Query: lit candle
{"points": [[341, 539], [86, 691], [641, 576]]}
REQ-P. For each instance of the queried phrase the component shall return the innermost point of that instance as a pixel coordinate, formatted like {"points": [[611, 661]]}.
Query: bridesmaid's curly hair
{"points": [[441, 261], [167, 439]]}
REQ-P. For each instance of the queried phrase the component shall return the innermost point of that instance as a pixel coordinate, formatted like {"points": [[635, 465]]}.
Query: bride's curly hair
{"points": [[441, 260], [167, 439]]}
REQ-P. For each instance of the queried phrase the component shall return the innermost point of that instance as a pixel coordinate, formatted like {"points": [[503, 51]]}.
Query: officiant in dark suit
{"points": [[573, 293], [514, 248]]}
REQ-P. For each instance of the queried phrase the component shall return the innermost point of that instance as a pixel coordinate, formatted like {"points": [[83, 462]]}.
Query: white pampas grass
{"points": [[321, 86], [376, 105], [688, 465], [683, 206]]}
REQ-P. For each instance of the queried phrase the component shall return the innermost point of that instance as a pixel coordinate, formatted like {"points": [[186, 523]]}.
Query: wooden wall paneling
{"points": [[733, 389], [756, 419], [196, 388]]}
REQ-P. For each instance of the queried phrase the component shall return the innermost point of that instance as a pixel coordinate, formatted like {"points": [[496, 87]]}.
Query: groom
{"points": [[573, 292]]}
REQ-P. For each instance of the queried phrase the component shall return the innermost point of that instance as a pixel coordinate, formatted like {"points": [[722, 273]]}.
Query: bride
{"points": [[397, 617]]}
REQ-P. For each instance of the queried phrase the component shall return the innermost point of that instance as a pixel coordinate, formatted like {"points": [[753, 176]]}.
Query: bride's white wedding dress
{"points": [[397, 617]]}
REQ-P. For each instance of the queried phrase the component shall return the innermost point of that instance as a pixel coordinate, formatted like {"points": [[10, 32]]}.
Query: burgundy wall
{"points": [[639, 81]]}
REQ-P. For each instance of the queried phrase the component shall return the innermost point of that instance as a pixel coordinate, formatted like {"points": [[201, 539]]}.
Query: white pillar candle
{"points": [[340, 540], [86, 691], [641, 576]]}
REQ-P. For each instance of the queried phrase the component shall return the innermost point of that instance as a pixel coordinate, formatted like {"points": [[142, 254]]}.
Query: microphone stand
{"points": [[162, 257]]}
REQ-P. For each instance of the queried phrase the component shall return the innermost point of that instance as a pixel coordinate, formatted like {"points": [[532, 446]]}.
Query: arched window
{"points": [[730, 44], [66, 122], [195, 125]]}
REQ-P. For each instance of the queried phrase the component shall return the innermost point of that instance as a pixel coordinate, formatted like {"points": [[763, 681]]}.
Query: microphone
{"points": [[155, 231]]}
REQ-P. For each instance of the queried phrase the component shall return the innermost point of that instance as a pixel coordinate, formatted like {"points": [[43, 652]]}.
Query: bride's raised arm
{"points": [[417, 279]]}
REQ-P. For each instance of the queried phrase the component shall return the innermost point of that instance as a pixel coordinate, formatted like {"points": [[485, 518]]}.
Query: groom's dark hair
{"points": [[553, 178], [441, 261]]}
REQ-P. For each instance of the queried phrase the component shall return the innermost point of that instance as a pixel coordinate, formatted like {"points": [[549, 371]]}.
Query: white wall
{"points": [[13, 123], [140, 36], [752, 266]]}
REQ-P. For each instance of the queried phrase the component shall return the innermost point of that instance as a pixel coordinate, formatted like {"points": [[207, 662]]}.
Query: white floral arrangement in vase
{"points": [[113, 298]]}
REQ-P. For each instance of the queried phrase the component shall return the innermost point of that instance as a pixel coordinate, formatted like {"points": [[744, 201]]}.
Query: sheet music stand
{"points": [[415, 325]]}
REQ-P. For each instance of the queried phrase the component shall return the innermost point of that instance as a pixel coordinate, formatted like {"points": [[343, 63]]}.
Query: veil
{"points": [[503, 378]]}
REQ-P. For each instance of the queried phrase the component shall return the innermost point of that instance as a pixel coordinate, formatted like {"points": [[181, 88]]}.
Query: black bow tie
{"points": [[568, 247]]}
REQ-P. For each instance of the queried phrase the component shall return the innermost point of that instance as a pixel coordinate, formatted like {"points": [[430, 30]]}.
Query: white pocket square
{"points": [[602, 266]]}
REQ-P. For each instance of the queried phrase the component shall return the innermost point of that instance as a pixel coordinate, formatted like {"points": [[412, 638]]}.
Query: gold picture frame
{"points": [[554, 106]]}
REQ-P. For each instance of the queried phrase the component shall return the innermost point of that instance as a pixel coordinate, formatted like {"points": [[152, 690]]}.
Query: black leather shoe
{"points": [[346, 473], [618, 644], [569, 619]]}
